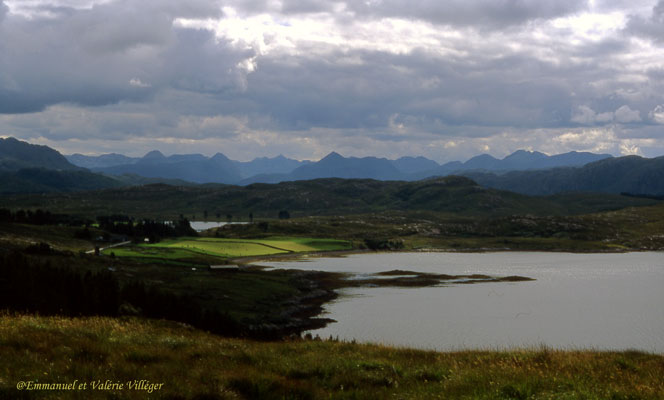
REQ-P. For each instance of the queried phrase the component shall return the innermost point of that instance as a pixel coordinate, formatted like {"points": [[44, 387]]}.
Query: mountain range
{"points": [[220, 169], [189, 167], [28, 168]]}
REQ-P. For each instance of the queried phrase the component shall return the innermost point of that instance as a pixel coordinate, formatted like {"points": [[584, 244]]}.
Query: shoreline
{"points": [[306, 314], [246, 262]]}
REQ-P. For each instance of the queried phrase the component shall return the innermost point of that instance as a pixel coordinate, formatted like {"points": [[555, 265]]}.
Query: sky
{"points": [[388, 78]]}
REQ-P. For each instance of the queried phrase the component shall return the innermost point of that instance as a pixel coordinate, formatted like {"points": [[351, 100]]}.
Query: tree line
{"points": [[145, 228], [41, 217], [113, 224], [33, 285]]}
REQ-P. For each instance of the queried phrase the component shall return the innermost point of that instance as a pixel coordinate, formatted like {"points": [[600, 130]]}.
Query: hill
{"points": [[331, 196], [16, 154], [102, 161], [40, 180], [629, 174], [335, 166], [262, 165], [526, 160]]}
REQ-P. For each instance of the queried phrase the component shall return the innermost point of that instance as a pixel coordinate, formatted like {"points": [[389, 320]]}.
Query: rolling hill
{"points": [[16, 155], [629, 174], [333, 196], [40, 180]]}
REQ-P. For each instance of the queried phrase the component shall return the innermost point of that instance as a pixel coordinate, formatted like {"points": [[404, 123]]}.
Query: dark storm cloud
{"points": [[509, 91], [324, 72], [198, 63], [107, 54]]}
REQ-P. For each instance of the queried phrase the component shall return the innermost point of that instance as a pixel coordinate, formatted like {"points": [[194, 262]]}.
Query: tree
{"points": [[284, 214]]}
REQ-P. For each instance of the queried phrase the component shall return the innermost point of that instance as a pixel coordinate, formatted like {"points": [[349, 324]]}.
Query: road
{"points": [[108, 247]]}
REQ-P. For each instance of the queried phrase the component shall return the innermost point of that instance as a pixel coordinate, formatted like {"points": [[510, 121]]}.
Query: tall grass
{"points": [[194, 364]]}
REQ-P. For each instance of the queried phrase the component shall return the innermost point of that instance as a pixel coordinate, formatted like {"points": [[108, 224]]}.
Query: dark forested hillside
{"points": [[15, 155], [39, 180], [333, 196], [630, 174]]}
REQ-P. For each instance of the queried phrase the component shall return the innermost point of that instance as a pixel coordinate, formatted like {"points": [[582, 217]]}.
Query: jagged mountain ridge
{"points": [[198, 168], [29, 168]]}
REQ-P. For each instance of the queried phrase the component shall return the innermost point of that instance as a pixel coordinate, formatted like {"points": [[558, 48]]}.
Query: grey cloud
{"points": [[110, 29], [652, 27], [431, 93], [125, 25], [621, 5], [458, 12], [285, 7], [305, 6], [126, 72], [656, 74], [185, 9], [587, 116], [482, 14], [197, 62], [3, 10], [626, 115], [602, 48], [318, 92], [91, 56]]}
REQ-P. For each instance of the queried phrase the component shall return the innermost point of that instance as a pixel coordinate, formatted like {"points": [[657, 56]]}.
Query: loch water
{"points": [[577, 301]]}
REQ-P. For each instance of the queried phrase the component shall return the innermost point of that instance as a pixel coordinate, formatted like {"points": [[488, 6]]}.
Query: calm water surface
{"points": [[598, 301], [200, 226]]}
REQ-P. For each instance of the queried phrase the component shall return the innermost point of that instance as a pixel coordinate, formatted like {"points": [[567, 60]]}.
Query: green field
{"points": [[191, 247]]}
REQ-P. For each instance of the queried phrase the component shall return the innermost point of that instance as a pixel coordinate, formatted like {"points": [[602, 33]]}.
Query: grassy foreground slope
{"points": [[193, 364]]}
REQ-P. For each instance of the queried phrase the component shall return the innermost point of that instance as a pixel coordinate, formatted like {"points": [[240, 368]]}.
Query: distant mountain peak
{"points": [[154, 154], [219, 157], [484, 157], [526, 153], [332, 156]]}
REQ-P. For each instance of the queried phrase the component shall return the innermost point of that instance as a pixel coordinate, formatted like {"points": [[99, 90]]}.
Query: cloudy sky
{"points": [[447, 80]]}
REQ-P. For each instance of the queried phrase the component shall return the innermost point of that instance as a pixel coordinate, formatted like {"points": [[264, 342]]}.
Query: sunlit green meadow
{"points": [[189, 247]]}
